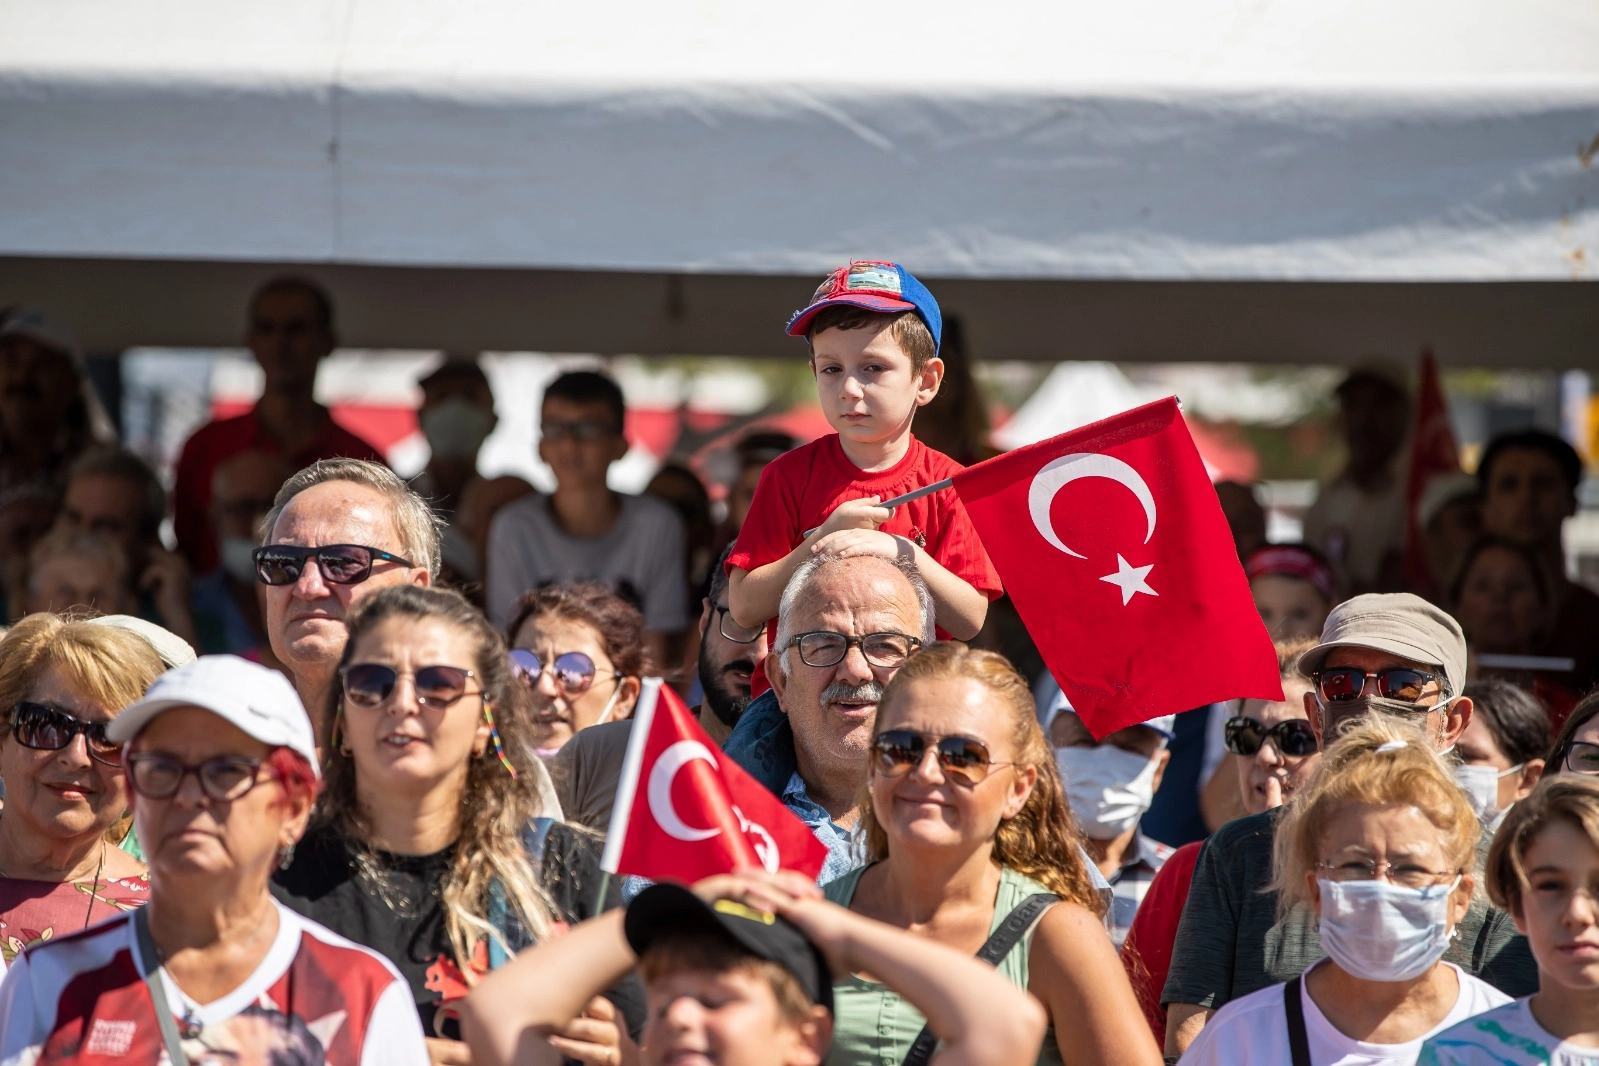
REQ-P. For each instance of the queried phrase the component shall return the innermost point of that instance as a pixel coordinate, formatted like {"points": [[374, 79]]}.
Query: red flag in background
{"points": [[1432, 453], [1115, 551], [685, 811]]}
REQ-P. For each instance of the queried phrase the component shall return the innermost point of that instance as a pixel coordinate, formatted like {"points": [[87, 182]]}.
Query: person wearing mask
{"points": [[1381, 848], [339, 530], [69, 570], [437, 842], [584, 531], [1293, 588], [1543, 869], [1393, 654], [66, 802], [221, 758], [227, 609], [968, 833], [49, 413], [1110, 785], [289, 331], [1502, 751]]}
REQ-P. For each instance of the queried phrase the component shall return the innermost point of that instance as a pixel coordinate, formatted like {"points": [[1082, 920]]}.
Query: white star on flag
{"points": [[1130, 579]]}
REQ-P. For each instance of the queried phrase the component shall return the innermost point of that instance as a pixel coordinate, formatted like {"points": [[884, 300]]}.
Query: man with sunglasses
{"points": [[1379, 653]]}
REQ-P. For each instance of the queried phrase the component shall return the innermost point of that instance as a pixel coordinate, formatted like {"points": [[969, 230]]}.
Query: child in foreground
{"points": [[1544, 869], [738, 972]]}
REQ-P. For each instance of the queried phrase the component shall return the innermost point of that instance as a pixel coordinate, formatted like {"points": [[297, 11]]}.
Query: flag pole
{"points": [[627, 788], [914, 494]]}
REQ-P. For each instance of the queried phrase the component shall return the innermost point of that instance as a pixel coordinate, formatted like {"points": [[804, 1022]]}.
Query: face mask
{"points": [[456, 428], [1482, 787], [1109, 789], [1342, 715], [605, 715], [1382, 932], [238, 558]]}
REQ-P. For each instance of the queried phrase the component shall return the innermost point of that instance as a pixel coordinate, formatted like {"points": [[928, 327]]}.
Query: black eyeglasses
{"points": [[896, 752], [1343, 684], [157, 775], [729, 627], [572, 671], [45, 728], [1582, 757], [371, 684], [823, 647], [578, 431], [1293, 737], [341, 564]]}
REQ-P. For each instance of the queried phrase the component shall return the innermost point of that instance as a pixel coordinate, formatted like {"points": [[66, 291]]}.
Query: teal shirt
{"points": [[1505, 1036]]}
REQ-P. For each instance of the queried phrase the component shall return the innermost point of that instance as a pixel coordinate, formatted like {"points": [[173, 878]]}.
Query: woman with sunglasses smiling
{"points": [[62, 680], [970, 842], [579, 648], [435, 842]]}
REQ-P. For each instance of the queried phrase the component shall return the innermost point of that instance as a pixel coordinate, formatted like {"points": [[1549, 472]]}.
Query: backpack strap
{"points": [[150, 965], [999, 944], [1294, 1008]]}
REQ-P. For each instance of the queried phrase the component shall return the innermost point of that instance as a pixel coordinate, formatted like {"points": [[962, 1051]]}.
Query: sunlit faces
{"points": [[1477, 747], [925, 806], [1441, 727], [1401, 839], [402, 745], [1268, 777], [558, 713], [1290, 606], [1559, 911], [732, 1018], [866, 385], [62, 795], [1500, 608]]}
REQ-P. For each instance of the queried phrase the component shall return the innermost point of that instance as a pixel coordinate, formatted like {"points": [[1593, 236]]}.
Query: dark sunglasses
{"points": [[572, 671], [45, 728], [223, 778], [340, 564], [1293, 737], [371, 684], [965, 761], [1341, 684], [886, 651], [732, 630]]}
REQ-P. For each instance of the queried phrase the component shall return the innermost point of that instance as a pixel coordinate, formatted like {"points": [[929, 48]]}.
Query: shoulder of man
{"points": [[763, 743]]}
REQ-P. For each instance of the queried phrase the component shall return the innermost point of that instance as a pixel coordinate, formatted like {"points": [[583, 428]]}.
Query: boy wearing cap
{"points": [[739, 972], [874, 334]]}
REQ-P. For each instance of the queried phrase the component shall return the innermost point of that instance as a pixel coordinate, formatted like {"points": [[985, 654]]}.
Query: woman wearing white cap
{"points": [[221, 761]]}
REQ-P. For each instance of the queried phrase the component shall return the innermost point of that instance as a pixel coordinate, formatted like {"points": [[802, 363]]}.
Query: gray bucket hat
{"points": [[1400, 624]]}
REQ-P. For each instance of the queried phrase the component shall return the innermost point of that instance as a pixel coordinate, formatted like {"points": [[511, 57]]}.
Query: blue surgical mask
{"points": [[1384, 932]]}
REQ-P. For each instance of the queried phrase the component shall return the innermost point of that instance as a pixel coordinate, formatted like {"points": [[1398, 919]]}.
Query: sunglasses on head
{"points": [[371, 684], [1342, 684], [1293, 738], [45, 728], [340, 564], [572, 671], [896, 752]]}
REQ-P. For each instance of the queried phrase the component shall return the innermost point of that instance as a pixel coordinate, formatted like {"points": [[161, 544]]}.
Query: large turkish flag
{"points": [[685, 811], [1114, 549]]}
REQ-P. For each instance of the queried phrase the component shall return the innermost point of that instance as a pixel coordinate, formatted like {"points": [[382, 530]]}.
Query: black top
{"points": [[403, 919]]}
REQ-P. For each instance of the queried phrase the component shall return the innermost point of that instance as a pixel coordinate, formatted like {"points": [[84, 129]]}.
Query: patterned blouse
{"points": [[34, 911]]}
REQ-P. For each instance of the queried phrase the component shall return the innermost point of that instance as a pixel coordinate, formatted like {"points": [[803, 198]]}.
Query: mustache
{"points": [[865, 692], [746, 665]]}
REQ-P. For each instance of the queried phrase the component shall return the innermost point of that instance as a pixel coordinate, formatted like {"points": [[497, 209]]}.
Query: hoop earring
{"points": [[494, 735]]}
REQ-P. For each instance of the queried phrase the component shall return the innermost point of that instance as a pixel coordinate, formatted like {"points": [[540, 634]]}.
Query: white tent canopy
{"points": [[1436, 141]]}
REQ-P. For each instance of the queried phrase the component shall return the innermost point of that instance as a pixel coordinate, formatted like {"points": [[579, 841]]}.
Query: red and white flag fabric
{"points": [[1433, 453], [1115, 551], [684, 810]]}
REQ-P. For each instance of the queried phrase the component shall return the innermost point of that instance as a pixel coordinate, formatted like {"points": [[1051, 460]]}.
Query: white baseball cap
{"points": [[173, 649], [1165, 725], [258, 700]]}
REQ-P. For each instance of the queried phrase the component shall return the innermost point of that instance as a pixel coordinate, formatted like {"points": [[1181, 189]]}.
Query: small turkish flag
{"points": [[1115, 551], [1432, 454], [686, 811]]}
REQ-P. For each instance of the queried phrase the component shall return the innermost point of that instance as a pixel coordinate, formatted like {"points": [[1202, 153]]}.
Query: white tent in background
{"points": [[1074, 394]]}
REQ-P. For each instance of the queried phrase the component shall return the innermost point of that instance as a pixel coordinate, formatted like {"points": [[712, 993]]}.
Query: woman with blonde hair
{"points": [[1381, 843], [970, 843]]}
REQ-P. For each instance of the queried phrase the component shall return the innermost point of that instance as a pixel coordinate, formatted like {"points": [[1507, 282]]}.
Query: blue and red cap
{"points": [[871, 285]]}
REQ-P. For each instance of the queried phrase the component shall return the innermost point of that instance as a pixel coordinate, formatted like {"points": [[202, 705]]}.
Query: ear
{"points": [[1456, 721], [1531, 774], [294, 824], [1460, 901], [1021, 789], [815, 1038], [775, 677], [1518, 915], [928, 381], [627, 691], [1313, 712], [1161, 759], [1315, 890], [480, 739]]}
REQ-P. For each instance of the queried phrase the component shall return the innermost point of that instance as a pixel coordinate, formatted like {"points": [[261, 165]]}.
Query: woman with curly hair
{"points": [[970, 842]]}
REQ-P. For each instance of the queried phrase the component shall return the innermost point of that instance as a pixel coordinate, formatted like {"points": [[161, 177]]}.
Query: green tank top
{"points": [[873, 1026]]}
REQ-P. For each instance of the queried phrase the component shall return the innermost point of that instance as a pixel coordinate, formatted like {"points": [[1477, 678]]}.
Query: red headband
{"points": [[1285, 560]]}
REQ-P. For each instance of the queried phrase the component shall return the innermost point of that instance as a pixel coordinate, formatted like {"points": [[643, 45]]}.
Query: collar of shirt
{"points": [[845, 849]]}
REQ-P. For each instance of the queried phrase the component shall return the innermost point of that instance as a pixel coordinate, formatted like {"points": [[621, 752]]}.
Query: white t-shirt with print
{"points": [[1505, 1036], [1253, 1031]]}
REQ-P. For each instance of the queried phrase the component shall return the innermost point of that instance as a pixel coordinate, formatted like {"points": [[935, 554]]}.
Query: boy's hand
{"points": [[758, 889], [598, 1037], [855, 514], [848, 542], [827, 925]]}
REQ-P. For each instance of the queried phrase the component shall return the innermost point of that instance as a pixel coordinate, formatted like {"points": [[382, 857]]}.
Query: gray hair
{"points": [[417, 524], [809, 572]]}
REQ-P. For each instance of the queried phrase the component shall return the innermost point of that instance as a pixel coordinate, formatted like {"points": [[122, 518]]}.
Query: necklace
{"points": [[94, 886]]}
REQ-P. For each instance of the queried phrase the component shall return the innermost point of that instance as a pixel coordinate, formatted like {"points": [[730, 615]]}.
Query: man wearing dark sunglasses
{"points": [[1379, 653], [341, 529]]}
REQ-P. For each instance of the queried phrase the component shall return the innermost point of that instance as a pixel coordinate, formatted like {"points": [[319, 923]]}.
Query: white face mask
{"points": [[456, 428], [1482, 787], [1109, 788], [1383, 932], [238, 558]]}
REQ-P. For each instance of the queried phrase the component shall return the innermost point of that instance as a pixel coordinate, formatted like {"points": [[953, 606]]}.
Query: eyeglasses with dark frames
{"points": [[729, 627], [1581, 757], [886, 651], [340, 564], [371, 684], [223, 778], [44, 727], [963, 760]]}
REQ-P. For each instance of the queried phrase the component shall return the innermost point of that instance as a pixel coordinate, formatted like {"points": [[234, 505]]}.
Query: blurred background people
{"points": [[956, 421], [228, 613], [49, 413], [289, 331], [752, 452], [1503, 749], [1449, 516], [83, 570], [27, 512], [66, 798], [1246, 518], [677, 485], [1293, 588], [585, 531], [1358, 519], [727, 656], [339, 530]]}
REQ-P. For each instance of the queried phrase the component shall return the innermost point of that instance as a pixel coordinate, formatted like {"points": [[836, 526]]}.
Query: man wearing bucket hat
{"points": [[1385, 653]]}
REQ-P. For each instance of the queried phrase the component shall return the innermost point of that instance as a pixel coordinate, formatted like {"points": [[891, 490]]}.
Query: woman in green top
{"points": [[965, 818]]}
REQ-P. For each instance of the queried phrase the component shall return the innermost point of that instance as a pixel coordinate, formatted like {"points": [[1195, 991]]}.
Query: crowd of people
{"points": [[328, 779]]}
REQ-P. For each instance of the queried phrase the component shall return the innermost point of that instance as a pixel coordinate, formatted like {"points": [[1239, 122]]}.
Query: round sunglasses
{"points": [[340, 564], [1342, 684], [572, 671], [371, 684], [1292, 737], [43, 727], [896, 752], [156, 775]]}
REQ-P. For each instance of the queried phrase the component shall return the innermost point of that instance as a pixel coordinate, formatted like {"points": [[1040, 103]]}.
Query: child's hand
{"points": [[598, 1036], [827, 925], [847, 542], [855, 514], [754, 887]]}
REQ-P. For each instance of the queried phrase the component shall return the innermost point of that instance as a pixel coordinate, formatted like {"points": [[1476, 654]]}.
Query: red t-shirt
{"points": [[800, 488], [1146, 953]]}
